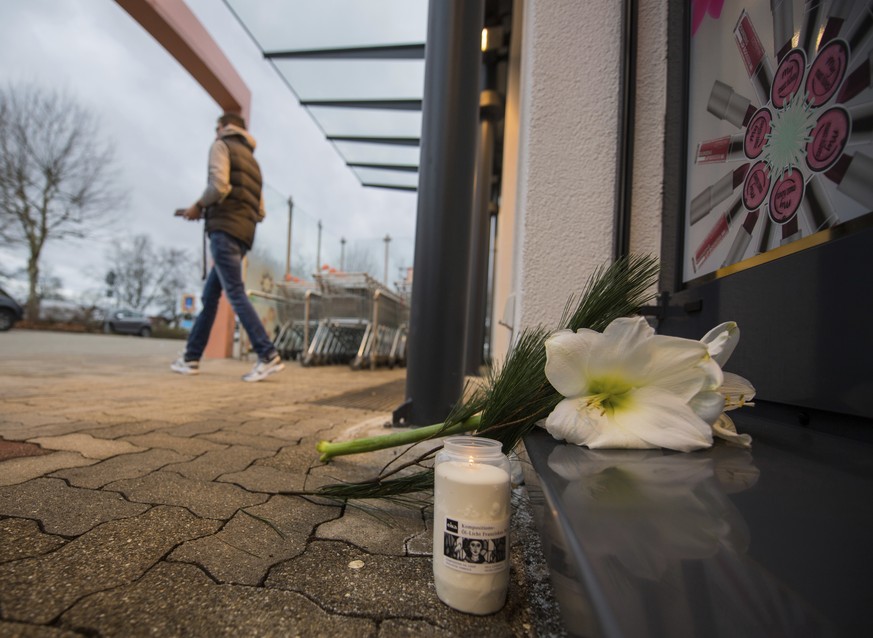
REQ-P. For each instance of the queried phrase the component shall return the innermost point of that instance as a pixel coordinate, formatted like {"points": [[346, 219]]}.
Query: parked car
{"points": [[129, 322], [10, 311]]}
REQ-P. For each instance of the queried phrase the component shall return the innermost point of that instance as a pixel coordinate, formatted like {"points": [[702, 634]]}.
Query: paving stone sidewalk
{"points": [[138, 502]]}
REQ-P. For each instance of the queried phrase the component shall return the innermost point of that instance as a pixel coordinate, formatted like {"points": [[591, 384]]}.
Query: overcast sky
{"points": [[161, 123]]}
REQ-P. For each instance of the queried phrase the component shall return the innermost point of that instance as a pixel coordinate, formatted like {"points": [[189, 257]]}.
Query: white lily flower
{"points": [[737, 392], [630, 388]]}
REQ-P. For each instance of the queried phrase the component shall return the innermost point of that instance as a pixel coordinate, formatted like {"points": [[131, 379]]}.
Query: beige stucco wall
{"points": [[559, 186]]}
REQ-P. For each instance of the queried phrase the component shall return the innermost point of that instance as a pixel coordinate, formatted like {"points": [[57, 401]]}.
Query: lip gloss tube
{"points": [[714, 195], [816, 206], [790, 231], [727, 104], [852, 175], [756, 185], [828, 139], [756, 138], [837, 14], [783, 26], [788, 78], [809, 30], [741, 241], [717, 234], [863, 27], [764, 241], [860, 79], [785, 196], [752, 52], [862, 123], [827, 72], [722, 149]]}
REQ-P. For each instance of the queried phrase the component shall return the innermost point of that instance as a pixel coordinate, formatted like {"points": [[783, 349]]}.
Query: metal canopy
{"points": [[358, 69]]}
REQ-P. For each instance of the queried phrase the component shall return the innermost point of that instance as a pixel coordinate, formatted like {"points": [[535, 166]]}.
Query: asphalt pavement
{"points": [[138, 502]]}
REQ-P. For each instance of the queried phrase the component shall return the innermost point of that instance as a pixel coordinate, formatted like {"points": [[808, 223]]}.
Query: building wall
{"points": [[562, 182]]}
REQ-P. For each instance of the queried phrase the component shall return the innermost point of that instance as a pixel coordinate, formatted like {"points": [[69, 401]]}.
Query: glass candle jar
{"points": [[471, 524]]}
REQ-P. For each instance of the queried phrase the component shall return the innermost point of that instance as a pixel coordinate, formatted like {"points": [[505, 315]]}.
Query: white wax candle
{"points": [[471, 500]]}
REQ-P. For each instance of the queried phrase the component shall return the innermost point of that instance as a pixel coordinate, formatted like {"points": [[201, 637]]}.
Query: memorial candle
{"points": [[471, 524]]}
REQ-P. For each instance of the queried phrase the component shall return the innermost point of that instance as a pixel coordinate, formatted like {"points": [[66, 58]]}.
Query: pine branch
{"points": [[516, 396]]}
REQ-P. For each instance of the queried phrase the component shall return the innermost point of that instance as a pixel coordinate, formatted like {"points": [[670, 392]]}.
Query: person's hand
{"points": [[192, 213]]}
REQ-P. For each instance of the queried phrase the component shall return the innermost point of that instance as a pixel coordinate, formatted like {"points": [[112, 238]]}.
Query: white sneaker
{"points": [[185, 367], [264, 369]]}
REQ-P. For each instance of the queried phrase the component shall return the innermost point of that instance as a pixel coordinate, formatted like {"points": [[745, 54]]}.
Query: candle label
{"points": [[475, 547]]}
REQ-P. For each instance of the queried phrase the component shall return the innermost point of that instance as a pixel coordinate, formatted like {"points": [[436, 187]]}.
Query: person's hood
{"points": [[232, 129]]}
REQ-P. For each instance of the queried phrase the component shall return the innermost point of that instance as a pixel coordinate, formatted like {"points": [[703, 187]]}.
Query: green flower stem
{"points": [[356, 446]]}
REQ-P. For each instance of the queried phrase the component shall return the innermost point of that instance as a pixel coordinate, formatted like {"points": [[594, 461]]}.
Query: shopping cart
{"points": [[359, 324]]}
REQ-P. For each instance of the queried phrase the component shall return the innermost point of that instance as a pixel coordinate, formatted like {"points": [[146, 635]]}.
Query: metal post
{"points": [[387, 241], [318, 251], [435, 374], [342, 254], [490, 110], [288, 247]]}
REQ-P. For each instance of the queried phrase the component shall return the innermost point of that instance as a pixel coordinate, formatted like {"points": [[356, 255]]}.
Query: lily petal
{"points": [[566, 423], [721, 341], [680, 366], [707, 405], [725, 429], [567, 355], [663, 420], [737, 391]]}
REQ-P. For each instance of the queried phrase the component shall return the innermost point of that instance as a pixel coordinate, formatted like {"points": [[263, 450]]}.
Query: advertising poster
{"points": [[780, 128]]}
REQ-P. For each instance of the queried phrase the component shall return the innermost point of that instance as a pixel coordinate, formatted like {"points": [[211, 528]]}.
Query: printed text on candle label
{"points": [[475, 548]]}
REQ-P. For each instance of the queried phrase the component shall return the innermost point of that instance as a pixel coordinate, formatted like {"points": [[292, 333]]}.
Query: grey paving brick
{"points": [[86, 445], [403, 585], [377, 526], [214, 463], [22, 630], [122, 467], [21, 470], [179, 600], [260, 478], [204, 498], [113, 554], [64, 510], [257, 441], [181, 444], [22, 538], [255, 539], [195, 428]]}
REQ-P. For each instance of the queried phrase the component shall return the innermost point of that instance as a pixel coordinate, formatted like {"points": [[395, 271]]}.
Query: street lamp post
{"points": [[342, 254], [318, 251], [288, 247], [387, 241]]}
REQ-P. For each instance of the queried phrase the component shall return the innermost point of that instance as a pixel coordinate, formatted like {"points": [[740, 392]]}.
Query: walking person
{"points": [[232, 205]]}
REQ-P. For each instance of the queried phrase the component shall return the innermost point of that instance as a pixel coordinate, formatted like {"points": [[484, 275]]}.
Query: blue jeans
{"points": [[226, 274]]}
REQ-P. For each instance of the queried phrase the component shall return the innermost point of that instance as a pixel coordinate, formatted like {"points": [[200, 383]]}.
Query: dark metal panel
{"points": [[435, 376], [399, 141], [387, 52], [388, 167], [399, 105], [723, 542]]}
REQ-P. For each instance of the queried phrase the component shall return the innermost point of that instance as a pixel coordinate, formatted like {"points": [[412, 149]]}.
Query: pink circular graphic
{"points": [[829, 138], [786, 196], [756, 133], [827, 72], [788, 78], [756, 186]]}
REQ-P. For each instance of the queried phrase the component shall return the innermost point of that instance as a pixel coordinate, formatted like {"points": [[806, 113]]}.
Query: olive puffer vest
{"points": [[237, 214]]}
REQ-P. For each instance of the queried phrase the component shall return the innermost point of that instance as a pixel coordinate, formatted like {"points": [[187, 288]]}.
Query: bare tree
{"points": [[359, 258], [57, 178], [140, 276]]}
